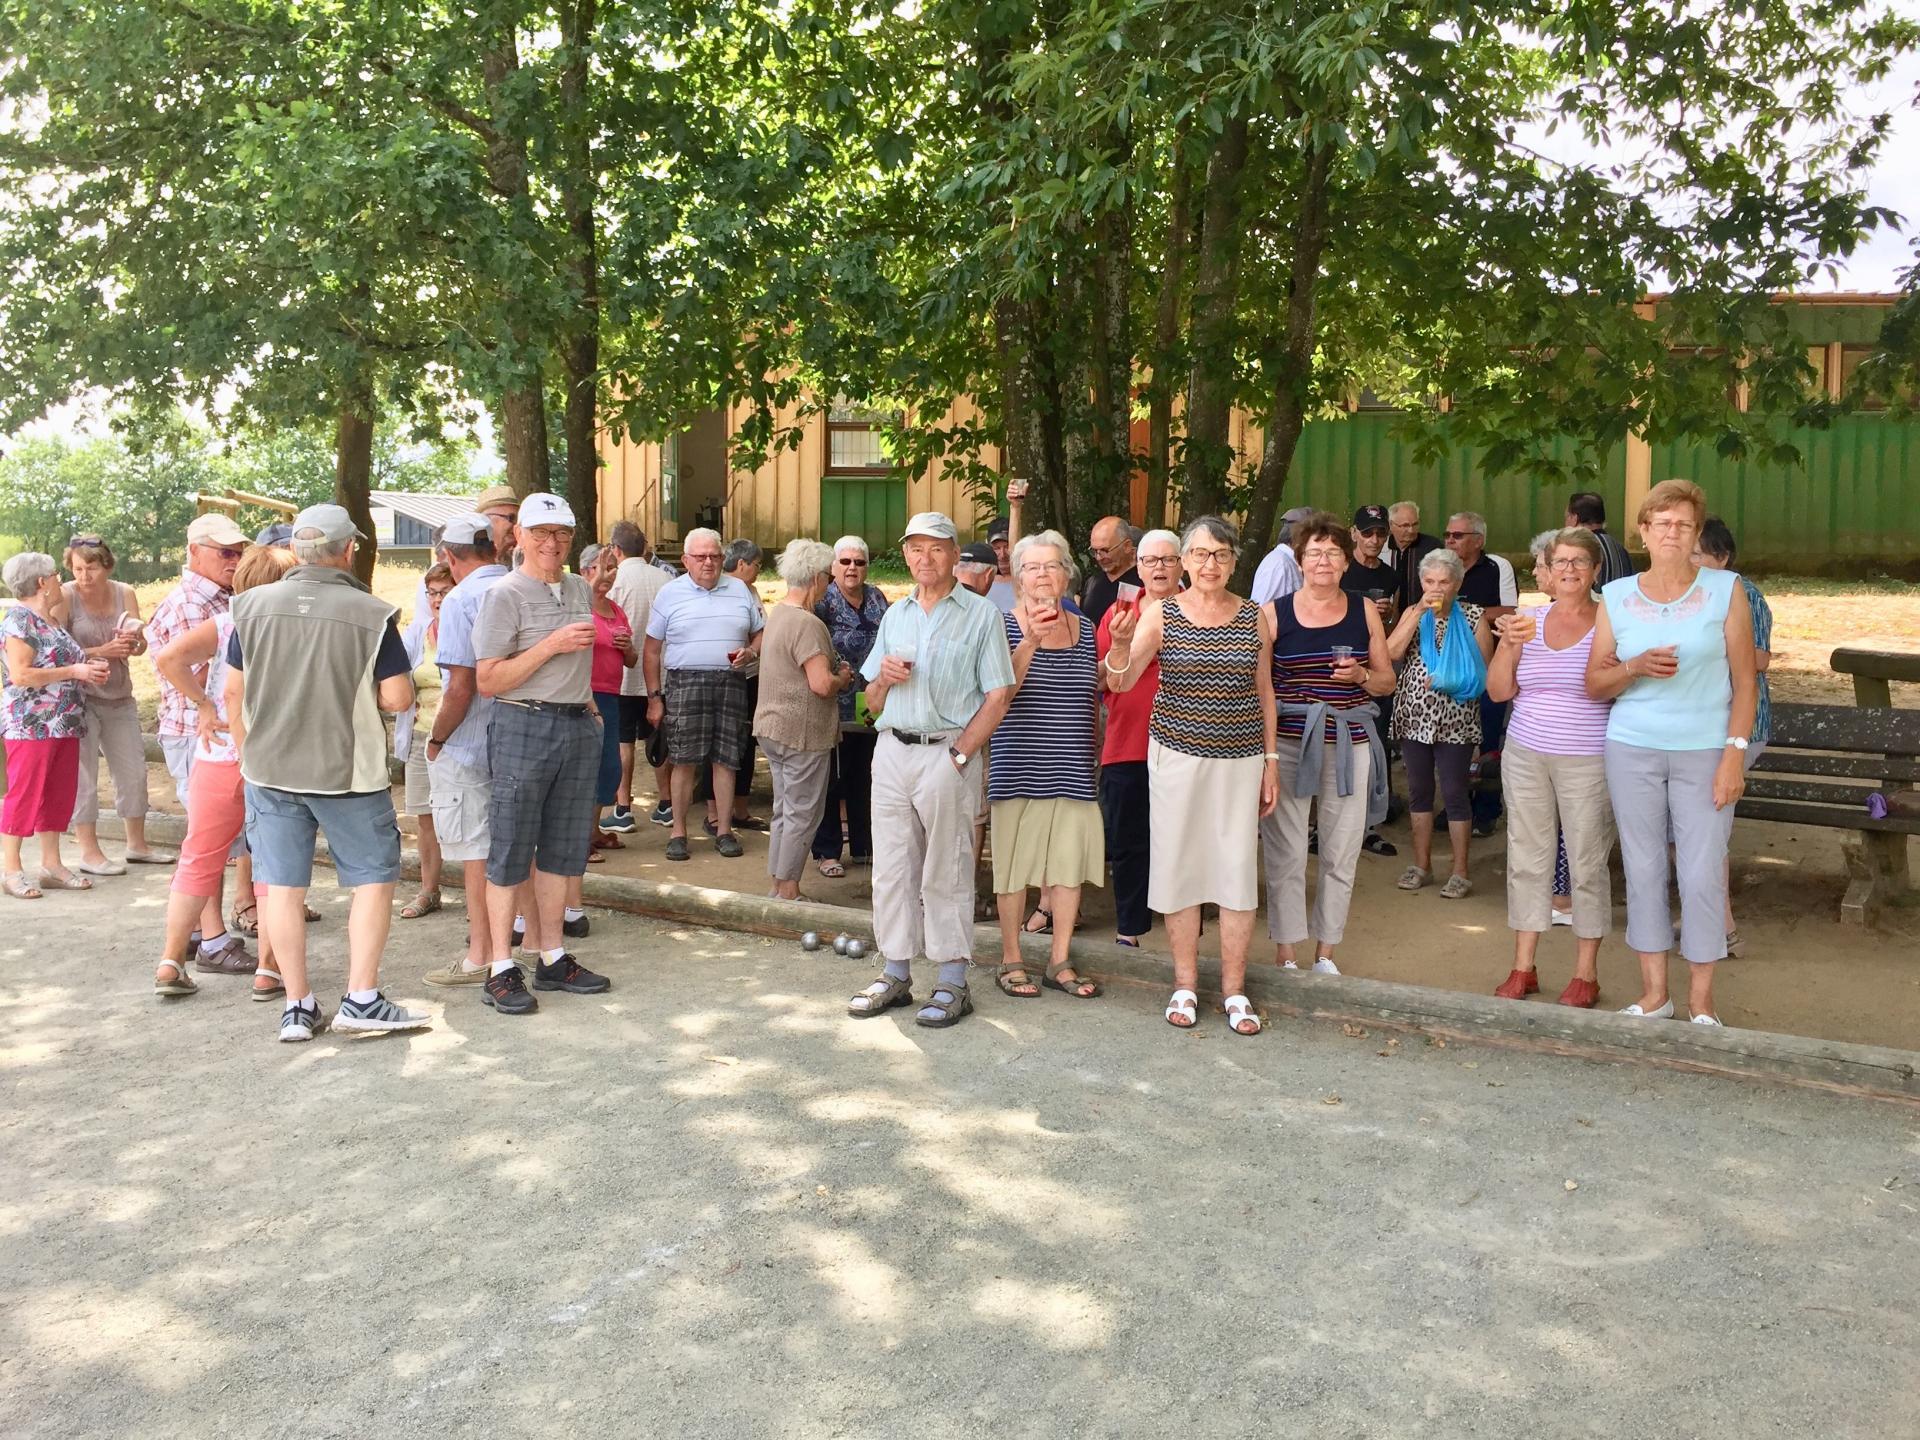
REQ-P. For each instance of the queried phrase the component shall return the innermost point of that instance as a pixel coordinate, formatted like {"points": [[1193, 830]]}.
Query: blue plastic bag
{"points": [[1457, 668]]}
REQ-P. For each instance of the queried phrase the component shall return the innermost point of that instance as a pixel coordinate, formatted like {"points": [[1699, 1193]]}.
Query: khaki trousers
{"points": [[799, 795], [1283, 846], [113, 730], [1548, 796], [923, 810]]}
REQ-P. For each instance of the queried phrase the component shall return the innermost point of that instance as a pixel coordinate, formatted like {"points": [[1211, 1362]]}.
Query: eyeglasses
{"points": [[702, 557], [1372, 530], [854, 564], [1460, 534], [1671, 527], [85, 540], [1210, 557], [1571, 562], [1041, 567], [226, 552], [438, 594], [1158, 562]]}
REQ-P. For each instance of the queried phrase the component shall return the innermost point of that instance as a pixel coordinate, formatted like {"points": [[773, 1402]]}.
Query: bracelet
{"points": [[1107, 665], [1273, 755]]}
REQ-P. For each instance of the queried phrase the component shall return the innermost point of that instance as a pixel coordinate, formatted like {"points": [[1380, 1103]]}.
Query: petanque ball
{"points": [[856, 949], [840, 943], [810, 940]]}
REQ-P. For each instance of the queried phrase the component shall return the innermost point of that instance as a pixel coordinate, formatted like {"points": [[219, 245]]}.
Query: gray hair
{"points": [[702, 533], [1443, 559], [627, 538], [803, 562], [25, 572], [852, 542], [1222, 532], [1052, 540], [1542, 544], [1475, 522], [318, 551], [738, 553], [1399, 505], [1166, 535], [589, 557]]}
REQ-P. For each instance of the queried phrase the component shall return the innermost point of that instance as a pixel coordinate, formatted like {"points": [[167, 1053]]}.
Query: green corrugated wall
{"points": [[1855, 497], [876, 509], [1355, 460]]}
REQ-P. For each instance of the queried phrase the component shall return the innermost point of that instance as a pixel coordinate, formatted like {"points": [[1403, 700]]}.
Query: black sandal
{"points": [[1044, 916], [1009, 986], [1078, 987]]}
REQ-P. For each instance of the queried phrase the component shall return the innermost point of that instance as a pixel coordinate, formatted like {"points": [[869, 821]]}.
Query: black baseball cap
{"points": [[978, 553], [1370, 517], [997, 528]]}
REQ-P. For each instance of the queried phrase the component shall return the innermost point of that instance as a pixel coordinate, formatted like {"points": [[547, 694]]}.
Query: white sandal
{"points": [[1186, 1005], [279, 985], [1240, 1009], [181, 984]]}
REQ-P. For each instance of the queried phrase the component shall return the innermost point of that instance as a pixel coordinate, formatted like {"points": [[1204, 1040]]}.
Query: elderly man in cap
{"points": [[533, 649], [460, 781], [500, 505], [703, 627], [1279, 574], [214, 547], [314, 665], [1112, 542], [939, 679], [978, 567]]}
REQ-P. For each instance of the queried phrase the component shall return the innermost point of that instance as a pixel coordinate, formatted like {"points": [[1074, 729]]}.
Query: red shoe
{"points": [[1519, 985], [1581, 994]]}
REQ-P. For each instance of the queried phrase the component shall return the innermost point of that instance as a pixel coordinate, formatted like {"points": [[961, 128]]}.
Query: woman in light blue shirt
{"points": [[1673, 650]]}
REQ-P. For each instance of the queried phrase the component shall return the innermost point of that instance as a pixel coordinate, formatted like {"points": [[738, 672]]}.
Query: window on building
{"points": [[670, 479], [856, 439], [1851, 358]]}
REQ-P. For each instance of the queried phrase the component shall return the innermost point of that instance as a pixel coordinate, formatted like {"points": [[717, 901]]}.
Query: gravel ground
{"points": [[709, 1204]]}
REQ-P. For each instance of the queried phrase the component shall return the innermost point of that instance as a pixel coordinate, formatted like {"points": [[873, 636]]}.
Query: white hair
{"points": [[1475, 522], [1542, 544], [852, 542], [702, 533], [1166, 535], [1443, 559], [1400, 505], [803, 562], [318, 550], [25, 572], [1052, 540]]}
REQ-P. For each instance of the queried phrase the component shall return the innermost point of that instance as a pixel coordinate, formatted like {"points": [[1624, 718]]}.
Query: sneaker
{"points": [[507, 992], [620, 822], [576, 929], [1325, 966], [662, 813], [569, 975], [455, 972], [378, 1013], [301, 1024], [677, 848]]}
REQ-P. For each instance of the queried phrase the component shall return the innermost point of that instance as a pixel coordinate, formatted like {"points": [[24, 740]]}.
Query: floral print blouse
{"points": [[853, 631], [41, 712]]}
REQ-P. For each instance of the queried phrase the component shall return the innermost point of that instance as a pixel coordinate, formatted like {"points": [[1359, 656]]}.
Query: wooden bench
{"points": [[1823, 761]]}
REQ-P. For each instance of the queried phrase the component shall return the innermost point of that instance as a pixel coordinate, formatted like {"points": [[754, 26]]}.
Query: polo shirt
{"points": [[699, 628], [1279, 574], [520, 611], [1406, 565], [467, 745], [960, 653], [1489, 582]]}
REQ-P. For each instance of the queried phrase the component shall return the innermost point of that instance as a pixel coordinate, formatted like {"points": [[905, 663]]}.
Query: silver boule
{"points": [[856, 949], [810, 940], [840, 943]]}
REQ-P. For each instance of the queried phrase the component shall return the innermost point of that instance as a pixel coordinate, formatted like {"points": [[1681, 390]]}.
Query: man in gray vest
{"points": [[314, 661]]}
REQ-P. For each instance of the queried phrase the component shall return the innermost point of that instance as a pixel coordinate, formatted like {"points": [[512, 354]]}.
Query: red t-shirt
{"points": [[1128, 712], [608, 664]]}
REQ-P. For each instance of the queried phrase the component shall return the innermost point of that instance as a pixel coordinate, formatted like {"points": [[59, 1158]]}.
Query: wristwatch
{"points": [[656, 694], [960, 757], [1738, 742]]}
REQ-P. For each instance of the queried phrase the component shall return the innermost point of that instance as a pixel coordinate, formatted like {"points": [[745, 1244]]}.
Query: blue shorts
{"points": [[360, 829]]}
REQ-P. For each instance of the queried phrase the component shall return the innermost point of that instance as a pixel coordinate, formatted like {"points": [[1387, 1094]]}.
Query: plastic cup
{"points": [[1342, 654]]}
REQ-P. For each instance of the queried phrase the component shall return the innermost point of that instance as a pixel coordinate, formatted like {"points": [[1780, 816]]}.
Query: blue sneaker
{"points": [[301, 1023], [378, 1013], [620, 822]]}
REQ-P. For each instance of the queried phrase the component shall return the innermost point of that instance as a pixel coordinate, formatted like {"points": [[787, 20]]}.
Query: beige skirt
{"points": [[1047, 842], [1206, 822]]}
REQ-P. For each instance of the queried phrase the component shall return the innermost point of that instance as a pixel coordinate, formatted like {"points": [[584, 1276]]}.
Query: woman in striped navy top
{"points": [[1040, 780], [1329, 661]]}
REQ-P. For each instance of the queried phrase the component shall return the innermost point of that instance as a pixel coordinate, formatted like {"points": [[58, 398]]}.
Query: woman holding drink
{"points": [[1040, 781], [1673, 650], [103, 614], [1552, 767], [1437, 720], [1329, 661]]}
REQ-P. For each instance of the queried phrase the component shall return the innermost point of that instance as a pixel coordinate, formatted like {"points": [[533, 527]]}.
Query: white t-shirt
{"points": [[635, 584]]}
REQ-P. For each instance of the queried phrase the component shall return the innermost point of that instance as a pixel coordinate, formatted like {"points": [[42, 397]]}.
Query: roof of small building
{"points": [[430, 510]]}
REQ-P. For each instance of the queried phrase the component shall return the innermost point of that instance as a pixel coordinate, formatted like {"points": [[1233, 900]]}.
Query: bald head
{"points": [[1112, 545]]}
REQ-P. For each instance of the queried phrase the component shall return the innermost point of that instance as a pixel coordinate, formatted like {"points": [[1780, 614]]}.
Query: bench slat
{"points": [[1833, 817], [1847, 729], [1819, 793], [1880, 664], [1845, 767]]}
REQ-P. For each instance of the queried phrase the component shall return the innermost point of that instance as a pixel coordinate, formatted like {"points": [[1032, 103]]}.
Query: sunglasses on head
{"points": [[85, 540]]}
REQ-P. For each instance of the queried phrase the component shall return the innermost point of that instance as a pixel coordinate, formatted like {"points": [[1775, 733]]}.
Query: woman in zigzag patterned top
{"points": [[1212, 764]]}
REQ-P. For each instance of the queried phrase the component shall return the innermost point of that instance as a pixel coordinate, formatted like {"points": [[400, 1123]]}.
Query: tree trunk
{"points": [[581, 348], [1295, 367], [1030, 406], [523, 402], [1166, 334], [1112, 350], [1216, 291], [353, 473]]}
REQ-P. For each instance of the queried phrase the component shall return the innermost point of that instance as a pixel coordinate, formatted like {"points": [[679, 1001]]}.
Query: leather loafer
{"points": [[1581, 994]]}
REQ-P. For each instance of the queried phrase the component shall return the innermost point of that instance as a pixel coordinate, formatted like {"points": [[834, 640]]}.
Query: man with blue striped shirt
{"points": [[939, 679]]}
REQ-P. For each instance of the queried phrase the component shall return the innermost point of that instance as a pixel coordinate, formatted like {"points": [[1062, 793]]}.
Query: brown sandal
{"points": [[69, 881], [246, 917], [1021, 989], [1080, 987], [881, 996], [425, 903]]}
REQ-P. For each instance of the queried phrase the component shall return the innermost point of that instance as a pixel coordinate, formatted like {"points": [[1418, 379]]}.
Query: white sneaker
{"points": [[1712, 1020], [1563, 917], [1289, 965], [1665, 1012], [1325, 966]]}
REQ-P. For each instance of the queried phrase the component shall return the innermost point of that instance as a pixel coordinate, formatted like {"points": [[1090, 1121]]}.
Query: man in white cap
{"points": [[701, 630], [533, 648], [314, 665], [939, 679], [1279, 574], [214, 547], [461, 783]]}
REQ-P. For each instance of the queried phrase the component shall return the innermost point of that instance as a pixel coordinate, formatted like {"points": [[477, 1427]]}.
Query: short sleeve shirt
{"points": [[960, 653], [193, 601], [467, 745], [789, 713], [518, 613], [1490, 583], [42, 712], [635, 584], [699, 628]]}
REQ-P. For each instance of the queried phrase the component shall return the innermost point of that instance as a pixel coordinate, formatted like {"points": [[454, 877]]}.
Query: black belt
{"points": [[909, 737], [546, 707]]}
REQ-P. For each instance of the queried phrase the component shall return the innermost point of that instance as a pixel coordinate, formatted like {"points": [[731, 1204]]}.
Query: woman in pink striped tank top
{"points": [[1553, 769]]}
